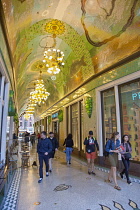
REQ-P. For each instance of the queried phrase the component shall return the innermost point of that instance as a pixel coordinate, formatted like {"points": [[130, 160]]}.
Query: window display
{"points": [[74, 111], [130, 115], [109, 114]]}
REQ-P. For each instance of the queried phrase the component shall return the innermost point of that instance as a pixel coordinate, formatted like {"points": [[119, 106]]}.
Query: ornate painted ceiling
{"points": [[93, 34]]}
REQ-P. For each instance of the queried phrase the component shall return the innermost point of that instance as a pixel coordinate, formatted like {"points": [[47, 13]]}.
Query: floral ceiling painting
{"points": [[93, 34]]}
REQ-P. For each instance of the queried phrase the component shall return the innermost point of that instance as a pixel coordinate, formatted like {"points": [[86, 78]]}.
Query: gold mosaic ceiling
{"points": [[93, 34]]}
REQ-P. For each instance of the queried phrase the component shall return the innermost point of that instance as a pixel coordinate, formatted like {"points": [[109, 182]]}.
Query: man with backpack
{"points": [[44, 148], [91, 147], [54, 148]]}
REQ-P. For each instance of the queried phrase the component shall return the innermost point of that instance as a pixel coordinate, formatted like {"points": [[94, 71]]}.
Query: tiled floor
{"points": [[79, 192], [11, 198], [71, 188]]}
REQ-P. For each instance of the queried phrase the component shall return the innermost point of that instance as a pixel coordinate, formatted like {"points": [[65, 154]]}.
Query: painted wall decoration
{"points": [[11, 106], [89, 106], [93, 34], [49, 120], [60, 115]]}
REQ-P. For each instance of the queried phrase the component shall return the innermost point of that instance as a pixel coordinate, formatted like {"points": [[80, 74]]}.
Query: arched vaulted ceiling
{"points": [[96, 34]]}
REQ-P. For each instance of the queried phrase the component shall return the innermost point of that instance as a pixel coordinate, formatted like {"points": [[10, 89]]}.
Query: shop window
{"points": [[81, 126], [74, 123], [108, 114], [130, 114], [67, 117]]}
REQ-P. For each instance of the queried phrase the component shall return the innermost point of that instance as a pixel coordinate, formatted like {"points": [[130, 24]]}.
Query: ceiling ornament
{"points": [[38, 66], [53, 58], [55, 27]]}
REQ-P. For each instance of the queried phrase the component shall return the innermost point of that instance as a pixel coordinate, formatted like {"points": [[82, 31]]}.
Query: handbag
{"points": [[127, 155]]}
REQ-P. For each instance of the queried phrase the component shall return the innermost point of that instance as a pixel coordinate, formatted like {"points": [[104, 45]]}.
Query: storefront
{"points": [[75, 124], [55, 125], [119, 110], [4, 97]]}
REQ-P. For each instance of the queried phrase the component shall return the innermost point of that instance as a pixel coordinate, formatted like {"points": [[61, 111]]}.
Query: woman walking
{"points": [[113, 147], [91, 146], [69, 147], [126, 155]]}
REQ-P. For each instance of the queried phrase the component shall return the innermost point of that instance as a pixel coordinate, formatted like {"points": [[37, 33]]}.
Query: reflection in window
{"points": [[81, 126], [109, 113], [130, 113], [74, 110]]}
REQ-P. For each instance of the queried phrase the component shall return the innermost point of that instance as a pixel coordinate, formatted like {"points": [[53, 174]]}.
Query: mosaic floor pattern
{"points": [[11, 198]]}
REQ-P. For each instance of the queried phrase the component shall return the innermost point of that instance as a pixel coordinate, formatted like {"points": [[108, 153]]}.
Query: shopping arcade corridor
{"points": [[84, 191]]}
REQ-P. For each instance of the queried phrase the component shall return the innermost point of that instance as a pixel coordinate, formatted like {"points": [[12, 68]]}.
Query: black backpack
{"points": [[105, 153]]}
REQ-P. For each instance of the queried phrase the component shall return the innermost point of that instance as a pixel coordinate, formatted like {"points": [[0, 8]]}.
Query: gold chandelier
{"points": [[54, 60], [39, 95]]}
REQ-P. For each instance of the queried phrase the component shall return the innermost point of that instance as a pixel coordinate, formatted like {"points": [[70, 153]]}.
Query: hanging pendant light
{"points": [[40, 94], [54, 60]]}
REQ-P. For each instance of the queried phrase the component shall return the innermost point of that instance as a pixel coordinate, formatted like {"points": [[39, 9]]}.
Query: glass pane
{"points": [[109, 113], [74, 109], [130, 112], [67, 116], [81, 126]]}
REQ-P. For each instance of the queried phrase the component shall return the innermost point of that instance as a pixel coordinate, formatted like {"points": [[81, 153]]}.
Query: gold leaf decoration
{"points": [[55, 27]]}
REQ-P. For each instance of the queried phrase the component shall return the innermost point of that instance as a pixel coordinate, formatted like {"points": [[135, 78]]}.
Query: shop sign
{"points": [[136, 96], [55, 115]]}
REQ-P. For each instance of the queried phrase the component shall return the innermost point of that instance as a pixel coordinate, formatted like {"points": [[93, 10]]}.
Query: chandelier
{"points": [[39, 95], [54, 60]]}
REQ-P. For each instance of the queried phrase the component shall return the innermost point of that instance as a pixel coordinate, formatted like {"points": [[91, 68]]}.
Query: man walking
{"points": [[44, 147], [91, 147], [54, 148]]}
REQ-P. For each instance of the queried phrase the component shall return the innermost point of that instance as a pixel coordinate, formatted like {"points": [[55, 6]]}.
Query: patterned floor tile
{"points": [[11, 199]]}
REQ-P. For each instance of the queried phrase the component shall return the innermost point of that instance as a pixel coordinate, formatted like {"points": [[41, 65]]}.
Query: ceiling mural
{"points": [[93, 34]]}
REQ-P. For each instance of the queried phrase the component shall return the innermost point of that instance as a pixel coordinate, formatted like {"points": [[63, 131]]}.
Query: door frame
{"points": [[114, 84]]}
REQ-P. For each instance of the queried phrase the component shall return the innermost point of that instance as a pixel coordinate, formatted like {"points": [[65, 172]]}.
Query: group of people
{"points": [[29, 137], [47, 146]]}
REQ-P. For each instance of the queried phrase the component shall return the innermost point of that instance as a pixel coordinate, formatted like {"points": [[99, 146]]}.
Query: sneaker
{"points": [[129, 182], [50, 170], [40, 180], [121, 175], [93, 173], [47, 174], [89, 172], [69, 162]]}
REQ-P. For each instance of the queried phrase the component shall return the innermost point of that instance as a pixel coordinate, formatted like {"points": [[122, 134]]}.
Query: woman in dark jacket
{"points": [[91, 146], [113, 147], [69, 147], [126, 152]]}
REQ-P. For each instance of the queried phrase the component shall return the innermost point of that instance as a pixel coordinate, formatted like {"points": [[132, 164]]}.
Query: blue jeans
{"points": [[46, 160], [68, 154]]}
